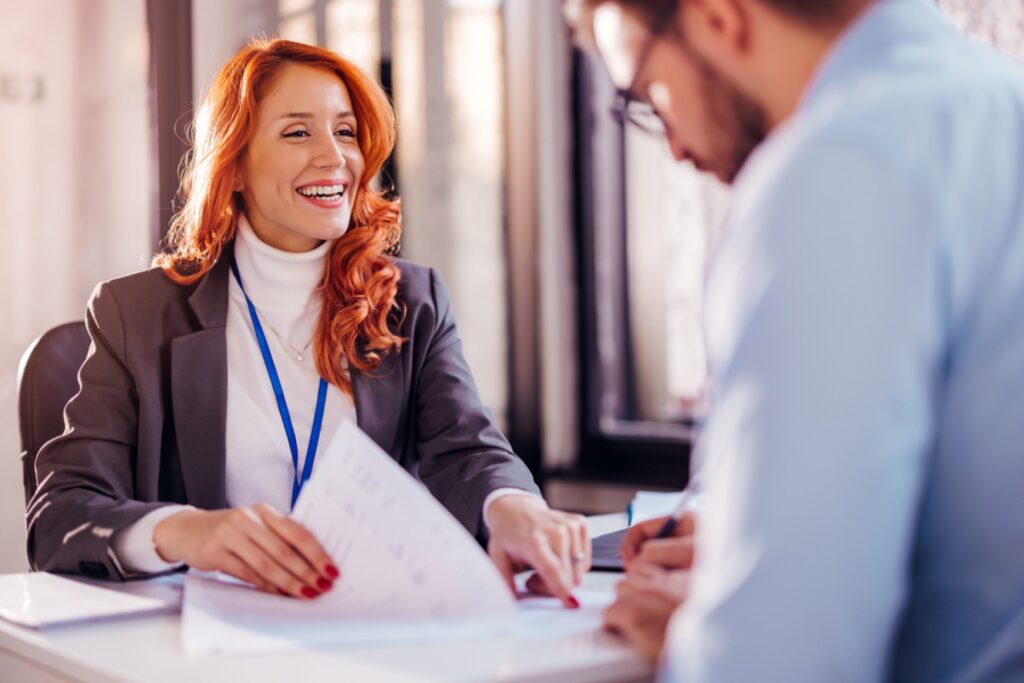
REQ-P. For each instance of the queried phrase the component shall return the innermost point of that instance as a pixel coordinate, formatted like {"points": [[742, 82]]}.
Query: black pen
{"points": [[682, 507]]}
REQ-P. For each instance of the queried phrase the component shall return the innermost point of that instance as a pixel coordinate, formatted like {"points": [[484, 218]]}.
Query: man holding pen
{"points": [[863, 460], [657, 554]]}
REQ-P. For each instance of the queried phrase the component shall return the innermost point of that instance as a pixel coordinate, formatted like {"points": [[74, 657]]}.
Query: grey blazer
{"points": [[147, 426]]}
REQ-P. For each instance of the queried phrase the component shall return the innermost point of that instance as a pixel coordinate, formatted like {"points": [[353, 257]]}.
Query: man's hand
{"points": [[256, 544], [525, 533], [645, 601], [674, 552]]}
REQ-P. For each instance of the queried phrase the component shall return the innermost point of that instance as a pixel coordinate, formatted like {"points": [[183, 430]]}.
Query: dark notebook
{"points": [[605, 551]]}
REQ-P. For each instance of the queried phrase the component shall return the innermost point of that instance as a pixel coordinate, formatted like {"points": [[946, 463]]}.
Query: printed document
{"points": [[409, 571]]}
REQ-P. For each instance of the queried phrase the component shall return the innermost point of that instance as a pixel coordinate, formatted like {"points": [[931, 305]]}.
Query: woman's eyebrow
{"points": [[309, 115]]}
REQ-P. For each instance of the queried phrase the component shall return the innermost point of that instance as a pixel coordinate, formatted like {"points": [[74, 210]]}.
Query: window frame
{"points": [[614, 445], [169, 27]]}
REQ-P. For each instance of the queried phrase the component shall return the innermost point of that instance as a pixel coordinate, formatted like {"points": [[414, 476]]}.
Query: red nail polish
{"points": [[573, 602], [309, 592], [324, 584], [281, 592], [332, 571]]}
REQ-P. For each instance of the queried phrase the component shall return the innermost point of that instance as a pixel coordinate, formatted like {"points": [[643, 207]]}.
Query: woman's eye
{"points": [[346, 133], [296, 134]]}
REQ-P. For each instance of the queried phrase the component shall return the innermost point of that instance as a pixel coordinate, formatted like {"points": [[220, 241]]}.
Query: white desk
{"points": [[147, 649]]}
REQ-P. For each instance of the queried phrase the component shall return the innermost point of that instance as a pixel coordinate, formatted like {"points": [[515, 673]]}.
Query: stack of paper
{"points": [[650, 504]]}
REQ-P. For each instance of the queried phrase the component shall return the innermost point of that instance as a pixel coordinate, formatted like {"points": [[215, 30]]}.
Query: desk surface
{"points": [[148, 649]]}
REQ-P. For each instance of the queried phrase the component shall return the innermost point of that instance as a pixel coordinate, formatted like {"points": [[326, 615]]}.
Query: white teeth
{"points": [[321, 190]]}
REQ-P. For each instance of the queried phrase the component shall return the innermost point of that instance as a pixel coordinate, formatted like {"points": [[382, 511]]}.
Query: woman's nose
{"points": [[329, 156]]}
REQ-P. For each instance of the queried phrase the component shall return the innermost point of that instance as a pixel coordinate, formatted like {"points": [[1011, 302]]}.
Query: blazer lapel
{"points": [[378, 397], [199, 380]]}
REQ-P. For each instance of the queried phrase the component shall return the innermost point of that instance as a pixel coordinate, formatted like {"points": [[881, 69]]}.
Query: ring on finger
{"points": [[578, 557]]}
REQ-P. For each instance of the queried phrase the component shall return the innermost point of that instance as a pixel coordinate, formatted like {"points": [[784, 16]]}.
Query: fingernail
{"points": [[332, 571], [309, 592], [281, 592], [573, 602], [324, 584]]}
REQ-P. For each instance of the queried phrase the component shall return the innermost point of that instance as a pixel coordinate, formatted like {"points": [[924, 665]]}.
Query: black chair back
{"points": [[47, 379]]}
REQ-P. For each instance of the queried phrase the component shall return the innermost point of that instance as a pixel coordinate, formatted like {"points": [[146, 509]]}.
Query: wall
{"points": [[74, 185]]}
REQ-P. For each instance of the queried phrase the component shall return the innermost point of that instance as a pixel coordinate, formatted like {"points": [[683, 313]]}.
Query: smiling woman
{"points": [[312, 118], [183, 445]]}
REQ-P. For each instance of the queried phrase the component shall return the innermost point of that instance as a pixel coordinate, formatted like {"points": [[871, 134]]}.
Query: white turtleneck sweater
{"points": [[258, 466], [282, 287]]}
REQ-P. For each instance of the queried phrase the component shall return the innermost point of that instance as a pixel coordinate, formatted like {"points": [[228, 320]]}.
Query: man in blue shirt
{"points": [[863, 461]]}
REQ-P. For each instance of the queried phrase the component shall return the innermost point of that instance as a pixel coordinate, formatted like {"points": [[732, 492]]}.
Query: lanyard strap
{"points": [[282, 405]]}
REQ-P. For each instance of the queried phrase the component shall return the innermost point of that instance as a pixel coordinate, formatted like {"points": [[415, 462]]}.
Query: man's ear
{"points": [[719, 29]]}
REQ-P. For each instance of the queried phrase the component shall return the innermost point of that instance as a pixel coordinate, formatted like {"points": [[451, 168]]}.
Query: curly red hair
{"points": [[361, 282]]}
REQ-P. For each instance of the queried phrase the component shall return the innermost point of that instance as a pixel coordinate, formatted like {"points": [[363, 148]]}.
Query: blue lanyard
{"points": [[282, 405]]}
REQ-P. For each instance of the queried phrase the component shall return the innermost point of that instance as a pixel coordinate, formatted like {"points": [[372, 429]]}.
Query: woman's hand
{"points": [[525, 533], [644, 603], [675, 552], [256, 544]]}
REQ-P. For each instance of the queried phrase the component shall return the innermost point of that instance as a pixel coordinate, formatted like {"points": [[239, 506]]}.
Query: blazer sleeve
{"points": [[85, 475], [463, 455]]}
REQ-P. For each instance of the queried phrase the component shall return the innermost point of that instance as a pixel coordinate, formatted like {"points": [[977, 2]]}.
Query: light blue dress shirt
{"points": [[864, 456]]}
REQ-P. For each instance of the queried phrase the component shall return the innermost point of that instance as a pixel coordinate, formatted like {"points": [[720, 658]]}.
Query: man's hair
{"points": [[580, 13]]}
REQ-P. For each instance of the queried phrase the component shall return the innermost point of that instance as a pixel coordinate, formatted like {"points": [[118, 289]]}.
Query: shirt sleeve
{"points": [[134, 545], [824, 335], [501, 493]]}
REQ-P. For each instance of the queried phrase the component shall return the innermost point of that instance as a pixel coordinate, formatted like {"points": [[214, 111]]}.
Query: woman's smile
{"points": [[325, 194]]}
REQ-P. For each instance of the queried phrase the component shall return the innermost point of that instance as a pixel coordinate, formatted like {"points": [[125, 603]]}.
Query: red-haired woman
{"points": [[276, 314]]}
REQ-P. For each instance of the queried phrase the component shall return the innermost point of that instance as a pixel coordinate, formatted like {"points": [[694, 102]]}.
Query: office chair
{"points": [[47, 379]]}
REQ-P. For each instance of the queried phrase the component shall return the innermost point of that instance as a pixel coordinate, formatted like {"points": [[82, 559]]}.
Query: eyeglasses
{"points": [[627, 108]]}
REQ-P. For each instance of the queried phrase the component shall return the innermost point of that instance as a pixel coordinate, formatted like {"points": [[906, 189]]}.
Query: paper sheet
{"points": [[406, 566], [224, 616], [38, 600], [400, 552]]}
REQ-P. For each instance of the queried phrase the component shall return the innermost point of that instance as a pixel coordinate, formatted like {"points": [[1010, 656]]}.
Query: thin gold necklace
{"points": [[300, 354]]}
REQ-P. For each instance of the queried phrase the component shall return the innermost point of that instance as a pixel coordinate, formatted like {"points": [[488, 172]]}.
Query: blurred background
{"points": [[573, 249]]}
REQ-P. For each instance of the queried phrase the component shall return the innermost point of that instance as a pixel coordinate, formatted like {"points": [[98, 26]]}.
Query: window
{"points": [[672, 215], [997, 22], [634, 263], [449, 97]]}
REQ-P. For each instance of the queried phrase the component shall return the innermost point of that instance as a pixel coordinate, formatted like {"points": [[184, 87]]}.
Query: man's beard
{"points": [[739, 124]]}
